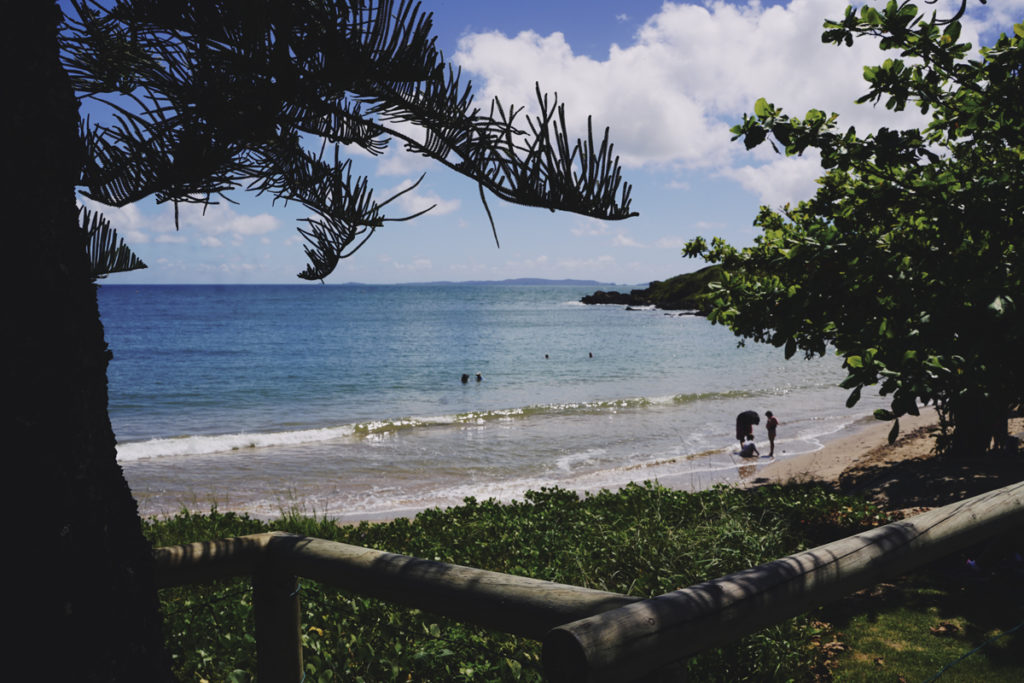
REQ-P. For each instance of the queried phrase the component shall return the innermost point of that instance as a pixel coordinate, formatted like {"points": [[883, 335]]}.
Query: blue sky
{"points": [[669, 79]]}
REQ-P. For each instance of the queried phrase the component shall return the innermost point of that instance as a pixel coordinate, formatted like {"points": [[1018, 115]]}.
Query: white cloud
{"points": [[623, 240], [235, 268], [221, 221], [128, 221], [690, 73], [218, 222], [414, 201], [416, 264], [170, 238], [588, 227], [397, 161], [995, 18], [708, 225], [586, 265], [528, 266], [670, 243], [781, 180]]}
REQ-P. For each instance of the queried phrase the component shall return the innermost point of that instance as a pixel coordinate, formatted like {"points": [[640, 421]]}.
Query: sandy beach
{"points": [[903, 475], [867, 443]]}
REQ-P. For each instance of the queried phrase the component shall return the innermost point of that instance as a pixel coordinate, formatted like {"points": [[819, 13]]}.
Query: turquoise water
{"points": [[347, 400]]}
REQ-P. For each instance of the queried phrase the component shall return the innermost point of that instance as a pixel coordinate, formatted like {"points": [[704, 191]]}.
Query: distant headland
{"points": [[513, 281], [679, 293]]}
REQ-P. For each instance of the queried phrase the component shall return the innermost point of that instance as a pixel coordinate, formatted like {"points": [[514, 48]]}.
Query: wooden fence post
{"points": [[278, 624]]}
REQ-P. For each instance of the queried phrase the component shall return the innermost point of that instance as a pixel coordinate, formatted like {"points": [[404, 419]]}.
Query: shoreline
{"points": [[906, 476], [868, 442], [856, 458], [857, 445]]}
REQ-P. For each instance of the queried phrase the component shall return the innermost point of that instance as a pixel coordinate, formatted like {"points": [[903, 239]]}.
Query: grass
{"points": [[644, 540], [948, 621]]}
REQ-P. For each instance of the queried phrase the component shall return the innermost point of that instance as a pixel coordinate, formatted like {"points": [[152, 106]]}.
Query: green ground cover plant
{"points": [[643, 540]]}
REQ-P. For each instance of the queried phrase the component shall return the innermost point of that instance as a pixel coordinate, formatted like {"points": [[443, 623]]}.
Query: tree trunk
{"points": [[979, 424], [85, 571]]}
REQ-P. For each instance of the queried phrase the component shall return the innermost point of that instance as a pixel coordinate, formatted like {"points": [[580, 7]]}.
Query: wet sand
{"points": [[826, 465], [903, 476]]}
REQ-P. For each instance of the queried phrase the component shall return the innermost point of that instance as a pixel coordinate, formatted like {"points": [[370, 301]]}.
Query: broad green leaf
{"points": [[761, 107], [894, 432], [952, 32], [754, 137], [853, 398]]}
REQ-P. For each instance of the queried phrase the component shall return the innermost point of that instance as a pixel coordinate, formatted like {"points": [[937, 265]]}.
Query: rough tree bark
{"points": [[87, 573]]}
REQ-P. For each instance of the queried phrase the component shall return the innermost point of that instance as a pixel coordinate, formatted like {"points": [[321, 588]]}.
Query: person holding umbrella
{"points": [[745, 422]]}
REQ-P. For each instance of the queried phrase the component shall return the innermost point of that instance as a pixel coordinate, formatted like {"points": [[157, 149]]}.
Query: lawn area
{"points": [[949, 623]]}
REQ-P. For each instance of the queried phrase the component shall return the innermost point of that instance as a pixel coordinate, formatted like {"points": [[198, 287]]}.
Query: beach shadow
{"points": [[931, 481], [746, 471]]}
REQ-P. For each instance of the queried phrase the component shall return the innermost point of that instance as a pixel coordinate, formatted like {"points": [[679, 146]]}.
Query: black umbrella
{"points": [[749, 417]]}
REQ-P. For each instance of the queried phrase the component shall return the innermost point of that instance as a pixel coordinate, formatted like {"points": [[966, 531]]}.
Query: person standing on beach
{"points": [[771, 425]]}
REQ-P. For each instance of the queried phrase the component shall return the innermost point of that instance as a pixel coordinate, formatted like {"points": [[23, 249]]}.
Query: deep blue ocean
{"points": [[347, 400]]}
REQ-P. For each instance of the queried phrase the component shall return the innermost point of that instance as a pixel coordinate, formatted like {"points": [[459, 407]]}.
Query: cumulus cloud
{"points": [[236, 268], [623, 240], [417, 200], [587, 265], [128, 221], [998, 17], [398, 161], [588, 227], [415, 264], [781, 180], [223, 222], [169, 238], [690, 73], [212, 227], [671, 242]]}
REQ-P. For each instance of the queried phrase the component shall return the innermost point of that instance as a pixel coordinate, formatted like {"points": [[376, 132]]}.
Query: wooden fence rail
{"points": [[587, 635], [507, 603]]}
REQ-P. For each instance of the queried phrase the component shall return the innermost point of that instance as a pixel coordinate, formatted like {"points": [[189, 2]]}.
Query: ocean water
{"points": [[347, 401]]}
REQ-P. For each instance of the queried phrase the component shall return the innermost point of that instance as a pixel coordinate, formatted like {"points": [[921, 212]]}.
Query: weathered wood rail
{"points": [[587, 635]]}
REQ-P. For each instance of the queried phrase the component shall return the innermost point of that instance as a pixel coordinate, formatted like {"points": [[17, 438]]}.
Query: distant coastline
{"points": [[519, 281], [684, 292]]}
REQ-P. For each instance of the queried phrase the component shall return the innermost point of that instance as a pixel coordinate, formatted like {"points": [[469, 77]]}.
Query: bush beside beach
{"points": [[643, 540]]}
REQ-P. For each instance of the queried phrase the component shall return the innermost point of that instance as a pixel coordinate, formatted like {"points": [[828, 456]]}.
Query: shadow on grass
{"points": [[951, 606]]}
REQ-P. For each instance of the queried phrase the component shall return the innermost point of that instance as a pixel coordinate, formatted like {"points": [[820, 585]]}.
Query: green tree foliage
{"points": [[908, 259], [107, 252], [214, 95]]}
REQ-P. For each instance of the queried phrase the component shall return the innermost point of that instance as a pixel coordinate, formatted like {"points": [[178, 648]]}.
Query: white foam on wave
{"points": [[219, 443], [566, 462]]}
